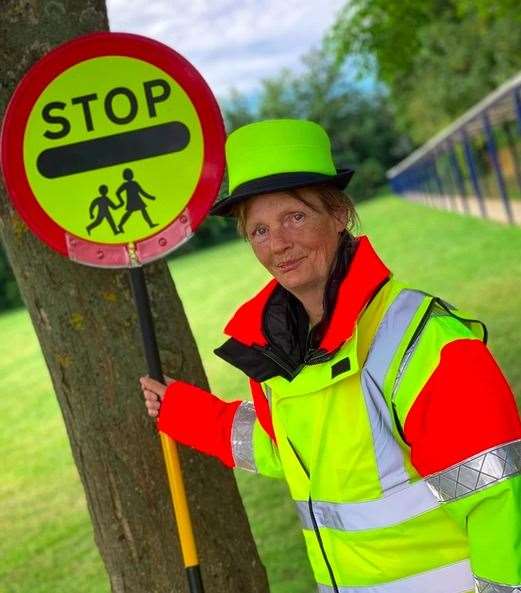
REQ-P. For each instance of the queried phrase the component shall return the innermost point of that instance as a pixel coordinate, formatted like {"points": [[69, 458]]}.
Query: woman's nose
{"points": [[280, 240]]}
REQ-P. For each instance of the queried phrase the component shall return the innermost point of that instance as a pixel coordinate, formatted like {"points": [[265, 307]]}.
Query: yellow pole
{"points": [[179, 501]]}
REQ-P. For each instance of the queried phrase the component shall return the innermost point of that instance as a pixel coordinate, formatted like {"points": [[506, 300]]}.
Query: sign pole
{"points": [[170, 454]]}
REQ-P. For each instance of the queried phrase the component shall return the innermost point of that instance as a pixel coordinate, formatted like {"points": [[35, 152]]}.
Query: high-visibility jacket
{"points": [[399, 438]]}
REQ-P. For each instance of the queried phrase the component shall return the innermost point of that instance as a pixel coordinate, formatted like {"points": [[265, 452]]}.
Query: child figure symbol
{"points": [[103, 203], [135, 202]]}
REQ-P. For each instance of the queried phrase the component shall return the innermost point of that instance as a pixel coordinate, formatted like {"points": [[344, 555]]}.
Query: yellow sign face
{"points": [[113, 149]]}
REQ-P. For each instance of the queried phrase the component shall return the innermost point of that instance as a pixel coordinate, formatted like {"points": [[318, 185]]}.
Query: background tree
{"points": [[437, 58], [86, 324], [359, 122]]}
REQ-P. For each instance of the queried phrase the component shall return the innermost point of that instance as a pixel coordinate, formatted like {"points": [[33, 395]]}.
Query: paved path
{"points": [[494, 208]]}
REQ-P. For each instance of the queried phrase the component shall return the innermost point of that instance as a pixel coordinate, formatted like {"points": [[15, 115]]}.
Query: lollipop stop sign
{"points": [[112, 149]]}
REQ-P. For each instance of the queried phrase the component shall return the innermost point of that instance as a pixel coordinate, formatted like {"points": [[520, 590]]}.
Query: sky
{"points": [[233, 43]]}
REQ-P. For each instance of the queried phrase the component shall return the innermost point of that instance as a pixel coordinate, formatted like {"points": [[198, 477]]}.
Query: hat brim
{"points": [[278, 182]]}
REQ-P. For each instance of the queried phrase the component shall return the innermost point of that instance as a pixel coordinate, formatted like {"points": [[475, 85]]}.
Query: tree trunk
{"points": [[87, 326]]}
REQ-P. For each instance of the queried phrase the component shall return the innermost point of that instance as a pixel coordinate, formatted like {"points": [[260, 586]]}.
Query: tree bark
{"points": [[87, 326]]}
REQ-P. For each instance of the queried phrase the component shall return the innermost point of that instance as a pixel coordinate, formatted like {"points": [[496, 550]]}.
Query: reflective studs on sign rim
{"points": [[100, 254], [162, 241]]}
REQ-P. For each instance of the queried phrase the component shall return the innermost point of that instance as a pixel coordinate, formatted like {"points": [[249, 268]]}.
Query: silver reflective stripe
{"points": [[267, 391], [242, 436], [453, 578], [390, 333], [477, 472], [484, 586], [400, 506]]}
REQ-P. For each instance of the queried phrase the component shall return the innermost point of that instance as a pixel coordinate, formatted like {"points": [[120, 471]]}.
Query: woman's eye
{"points": [[298, 216], [259, 233]]}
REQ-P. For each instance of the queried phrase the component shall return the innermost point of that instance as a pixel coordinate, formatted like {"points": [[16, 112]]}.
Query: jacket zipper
{"points": [[315, 358], [313, 519], [315, 355], [285, 367], [311, 357]]}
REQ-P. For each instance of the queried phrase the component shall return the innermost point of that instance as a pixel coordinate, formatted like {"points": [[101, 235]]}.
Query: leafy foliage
{"points": [[360, 123], [437, 58]]}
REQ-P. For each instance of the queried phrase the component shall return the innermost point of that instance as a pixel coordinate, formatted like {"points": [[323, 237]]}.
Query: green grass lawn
{"points": [[46, 543]]}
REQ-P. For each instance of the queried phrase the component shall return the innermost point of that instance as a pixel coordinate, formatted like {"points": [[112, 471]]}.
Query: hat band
{"points": [[271, 182], [278, 182]]}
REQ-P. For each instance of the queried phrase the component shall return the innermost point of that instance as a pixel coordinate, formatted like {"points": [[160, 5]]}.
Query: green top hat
{"points": [[277, 154]]}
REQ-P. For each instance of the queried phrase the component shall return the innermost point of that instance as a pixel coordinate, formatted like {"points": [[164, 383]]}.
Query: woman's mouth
{"points": [[291, 264]]}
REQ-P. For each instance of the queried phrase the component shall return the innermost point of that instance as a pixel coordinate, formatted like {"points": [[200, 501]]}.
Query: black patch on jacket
{"points": [[342, 366]]}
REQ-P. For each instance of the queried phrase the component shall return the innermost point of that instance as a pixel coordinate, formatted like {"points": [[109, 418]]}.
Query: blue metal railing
{"points": [[473, 166]]}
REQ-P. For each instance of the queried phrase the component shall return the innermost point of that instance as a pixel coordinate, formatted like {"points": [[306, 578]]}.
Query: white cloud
{"points": [[233, 43]]}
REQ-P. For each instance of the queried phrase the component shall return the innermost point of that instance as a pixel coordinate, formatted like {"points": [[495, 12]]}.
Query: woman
{"points": [[379, 404]]}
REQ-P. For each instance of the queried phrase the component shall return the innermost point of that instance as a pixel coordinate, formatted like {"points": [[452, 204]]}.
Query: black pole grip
{"points": [[146, 323], [195, 582]]}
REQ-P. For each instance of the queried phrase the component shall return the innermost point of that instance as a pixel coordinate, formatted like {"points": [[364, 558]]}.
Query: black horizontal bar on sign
{"points": [[113, 150]]}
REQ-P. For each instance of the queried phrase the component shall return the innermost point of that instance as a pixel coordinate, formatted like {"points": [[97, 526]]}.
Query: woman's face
{"points": [[294, 242]]}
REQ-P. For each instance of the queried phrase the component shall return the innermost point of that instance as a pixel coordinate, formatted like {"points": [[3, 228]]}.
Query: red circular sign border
{"points": [[96, 45]]}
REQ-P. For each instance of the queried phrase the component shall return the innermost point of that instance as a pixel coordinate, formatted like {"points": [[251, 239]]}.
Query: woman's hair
{"points": [[332, 198]]}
